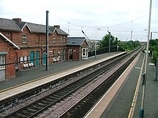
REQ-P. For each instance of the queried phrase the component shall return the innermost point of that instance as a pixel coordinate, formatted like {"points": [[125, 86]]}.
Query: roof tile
{"points": [[7, 24]]}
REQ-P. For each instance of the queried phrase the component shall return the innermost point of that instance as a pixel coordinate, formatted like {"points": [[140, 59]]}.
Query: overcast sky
{"points": [[118, 16]]}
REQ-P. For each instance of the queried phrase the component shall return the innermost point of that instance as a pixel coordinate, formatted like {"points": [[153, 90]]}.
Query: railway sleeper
{"points": [[21, 115]]}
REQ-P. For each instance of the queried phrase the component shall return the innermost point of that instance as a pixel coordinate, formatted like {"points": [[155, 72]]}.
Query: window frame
{"points": [[2, 61], [54, 39], [61, 39], [24, 38]]}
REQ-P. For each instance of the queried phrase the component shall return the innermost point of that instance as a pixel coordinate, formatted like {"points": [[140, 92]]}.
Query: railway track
{"points": [[46, 102], [80, 109]]}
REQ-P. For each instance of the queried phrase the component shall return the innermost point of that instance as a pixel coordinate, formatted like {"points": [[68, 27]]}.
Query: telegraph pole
{"points": [[131, 29], [47, 42], [96, 42], [146, 65]]}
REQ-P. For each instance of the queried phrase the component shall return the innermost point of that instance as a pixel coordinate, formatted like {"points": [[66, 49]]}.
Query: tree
{"points": [[153, 46], [114, 42], [129, 45], [105, 41]]}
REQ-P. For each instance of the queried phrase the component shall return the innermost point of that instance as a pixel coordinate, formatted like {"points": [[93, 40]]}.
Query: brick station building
{"points": [[23, 44]]}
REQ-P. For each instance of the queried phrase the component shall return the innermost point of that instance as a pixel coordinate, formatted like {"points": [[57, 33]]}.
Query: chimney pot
{"points": [[57, 26], [18, 20]]}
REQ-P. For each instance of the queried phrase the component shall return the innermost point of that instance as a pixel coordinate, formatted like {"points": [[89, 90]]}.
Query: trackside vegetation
{"points": [[115, 42], [153, 47]]}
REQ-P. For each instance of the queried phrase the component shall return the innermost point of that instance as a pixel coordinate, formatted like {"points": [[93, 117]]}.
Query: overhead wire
{"points": [[70, 23]]}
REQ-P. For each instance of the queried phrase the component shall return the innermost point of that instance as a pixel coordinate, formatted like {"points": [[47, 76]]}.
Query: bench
{"points": [[58, 59], [54, 60], [25, 65], [31, 65]]}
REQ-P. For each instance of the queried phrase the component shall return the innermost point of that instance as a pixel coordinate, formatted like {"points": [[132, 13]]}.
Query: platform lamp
{"points": [[141, 115], [109, 39]]}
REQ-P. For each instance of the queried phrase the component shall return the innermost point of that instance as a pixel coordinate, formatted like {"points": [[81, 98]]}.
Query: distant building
{"points": [[77, 48]]}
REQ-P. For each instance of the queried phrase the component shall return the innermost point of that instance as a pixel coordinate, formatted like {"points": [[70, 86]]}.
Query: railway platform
{"points": [[36, 73], [124, 100]]}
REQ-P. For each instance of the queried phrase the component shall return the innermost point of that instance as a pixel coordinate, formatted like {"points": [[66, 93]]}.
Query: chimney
{"points": [[57, 26], [18, 20]]}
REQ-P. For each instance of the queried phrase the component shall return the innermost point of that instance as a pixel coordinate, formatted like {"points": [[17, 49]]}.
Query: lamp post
{"points": [[109, 40], [146, 65], [131, 29], [95, 41], [47, 42]]}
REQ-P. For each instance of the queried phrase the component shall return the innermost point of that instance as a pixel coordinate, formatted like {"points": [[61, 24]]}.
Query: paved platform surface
{"points": [[36, 73], [120, 106]]}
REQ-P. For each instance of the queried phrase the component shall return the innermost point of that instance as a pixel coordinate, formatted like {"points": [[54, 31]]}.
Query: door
{"points": [[37, 58], [2, 67], [70, 55], [63, 55], [32, 57]]}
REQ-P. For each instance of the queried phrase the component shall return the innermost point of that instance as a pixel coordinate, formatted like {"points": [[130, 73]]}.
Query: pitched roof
{"points": [[21, 24], [37, 28], [76, 41], [61, 32], [58, 30], [7, 24], [13, 25], [9, 41], [34, 28]]}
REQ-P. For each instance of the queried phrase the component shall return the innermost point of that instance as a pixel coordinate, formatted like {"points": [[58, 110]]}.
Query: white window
{"points": [[21, 59], [28, 58], [54, 40], [24, 38], [84, 52], [25, 58], [2, 61], [61, 39]]}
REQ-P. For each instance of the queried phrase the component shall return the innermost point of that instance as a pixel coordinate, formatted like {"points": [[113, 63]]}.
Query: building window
{"points": [[54, 52], [61, 39], [24, 59], [24, 38], [21, 59], [58, 52], [54, 40], [2, 61], [84, 50], [8, 33]]}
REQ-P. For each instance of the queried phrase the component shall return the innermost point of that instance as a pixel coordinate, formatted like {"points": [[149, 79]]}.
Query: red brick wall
{"points": [[75, 53], [35, 42], [10, 57]]}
